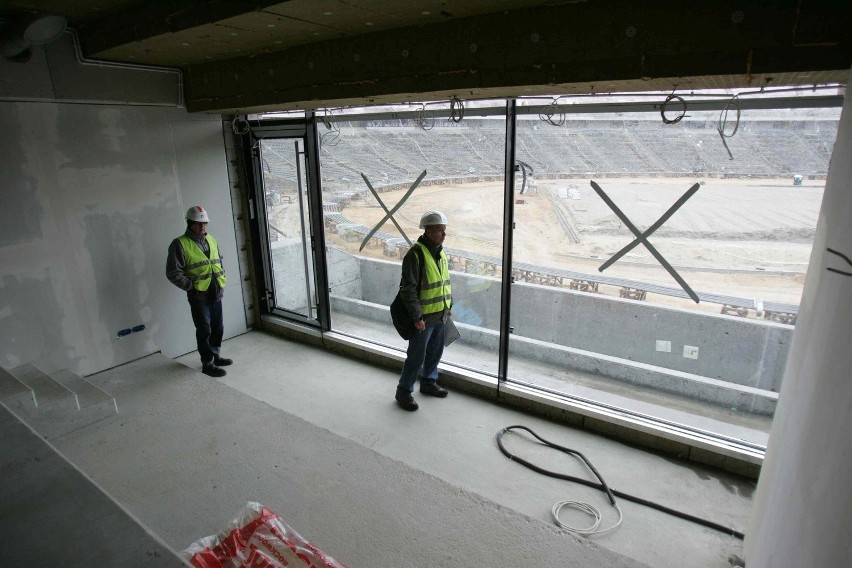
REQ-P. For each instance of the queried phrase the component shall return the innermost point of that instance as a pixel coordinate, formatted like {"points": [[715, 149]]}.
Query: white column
{"points": [[802, 513]]}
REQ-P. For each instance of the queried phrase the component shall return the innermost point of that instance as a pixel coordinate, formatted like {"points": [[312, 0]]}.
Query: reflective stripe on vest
{"points": [[200, 269], [436, 293]]}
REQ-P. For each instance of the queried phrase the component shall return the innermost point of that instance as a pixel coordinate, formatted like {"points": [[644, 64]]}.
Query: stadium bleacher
{"points": [[615, 148], [458, 259], [393, 153]]}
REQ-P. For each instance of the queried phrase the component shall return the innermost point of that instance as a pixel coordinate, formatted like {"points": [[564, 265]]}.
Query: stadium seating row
{"points": [[601, 148]]}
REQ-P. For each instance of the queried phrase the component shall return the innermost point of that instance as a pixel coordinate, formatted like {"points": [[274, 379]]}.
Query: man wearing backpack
{"points": [[427, 295]]}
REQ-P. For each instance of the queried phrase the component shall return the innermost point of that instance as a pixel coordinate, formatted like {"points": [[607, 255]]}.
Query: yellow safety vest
{"points": [[436, 294], [200, 269]]}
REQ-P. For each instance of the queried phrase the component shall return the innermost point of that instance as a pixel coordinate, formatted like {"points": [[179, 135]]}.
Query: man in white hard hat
{"points": [[195, 266], [426, 292]]}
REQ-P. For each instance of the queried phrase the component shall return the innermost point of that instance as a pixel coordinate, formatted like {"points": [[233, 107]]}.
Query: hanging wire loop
{"points": [[665, 105]]}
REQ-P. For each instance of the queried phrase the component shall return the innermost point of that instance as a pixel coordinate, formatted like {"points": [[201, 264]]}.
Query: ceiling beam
{"points": [[151, 19], [589, 46]]}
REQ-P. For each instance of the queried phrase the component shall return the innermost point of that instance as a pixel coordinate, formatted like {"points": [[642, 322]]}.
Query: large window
{"points": [[658, 254], [658, 266], [369, 166]]}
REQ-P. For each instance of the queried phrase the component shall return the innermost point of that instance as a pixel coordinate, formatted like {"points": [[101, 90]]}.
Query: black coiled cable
{"points": [[611, 493]]}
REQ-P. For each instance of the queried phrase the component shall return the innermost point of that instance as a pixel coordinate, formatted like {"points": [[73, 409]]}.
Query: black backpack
{"points": [[399, 314]]}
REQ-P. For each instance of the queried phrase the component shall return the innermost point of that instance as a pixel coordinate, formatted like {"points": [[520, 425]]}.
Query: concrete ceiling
{"points": [[248, 56]]}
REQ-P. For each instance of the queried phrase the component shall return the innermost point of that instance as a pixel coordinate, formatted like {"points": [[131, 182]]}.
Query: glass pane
{"points": [[288, 226], [463, 165], [630, 336]]}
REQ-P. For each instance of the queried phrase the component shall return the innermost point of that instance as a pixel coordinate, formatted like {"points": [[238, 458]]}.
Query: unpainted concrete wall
{"points": [[748, 352]]}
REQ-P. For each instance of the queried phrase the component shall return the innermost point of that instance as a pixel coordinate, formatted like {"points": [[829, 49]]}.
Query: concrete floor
{"points": [[318, 438], [41, 526]]}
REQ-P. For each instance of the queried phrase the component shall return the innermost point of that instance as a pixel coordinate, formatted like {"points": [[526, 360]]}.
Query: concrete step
{"points": [[63, 401], [88, 395], [13, 390], [46, 391], [54, 515]]}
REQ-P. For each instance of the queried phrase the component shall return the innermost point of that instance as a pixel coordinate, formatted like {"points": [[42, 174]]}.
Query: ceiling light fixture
{"points": [[18, 35], [44, 29]]}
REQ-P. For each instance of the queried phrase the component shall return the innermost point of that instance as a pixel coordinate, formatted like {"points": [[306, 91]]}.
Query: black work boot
{"points": [[222, 361], [213, 371], [432, 389], [406, 402]]}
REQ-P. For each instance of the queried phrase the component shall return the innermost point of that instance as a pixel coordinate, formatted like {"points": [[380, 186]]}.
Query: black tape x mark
{"points": [[389, 214], [643, 237]]}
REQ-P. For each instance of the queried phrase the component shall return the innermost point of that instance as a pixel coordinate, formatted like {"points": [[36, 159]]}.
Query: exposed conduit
{"points": [[129, 66]]}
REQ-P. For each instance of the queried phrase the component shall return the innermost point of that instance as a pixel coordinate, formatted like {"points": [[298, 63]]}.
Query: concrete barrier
{"points": [[739, 362], [722, 393]]}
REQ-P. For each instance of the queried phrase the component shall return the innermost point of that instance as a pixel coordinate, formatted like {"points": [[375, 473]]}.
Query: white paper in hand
{"points": [[451, 333]]}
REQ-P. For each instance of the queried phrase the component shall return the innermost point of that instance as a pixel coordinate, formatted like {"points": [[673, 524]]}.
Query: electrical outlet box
{"points": [[664, 346], [690, 351]]}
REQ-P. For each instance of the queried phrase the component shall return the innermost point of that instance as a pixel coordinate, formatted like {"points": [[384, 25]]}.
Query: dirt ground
{"points": [[746, 238]]}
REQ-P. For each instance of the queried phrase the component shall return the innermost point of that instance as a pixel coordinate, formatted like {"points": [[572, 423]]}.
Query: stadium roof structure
{"points": [[256, 56]]}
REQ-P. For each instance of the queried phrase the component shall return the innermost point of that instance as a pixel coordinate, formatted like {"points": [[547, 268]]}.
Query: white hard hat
{"points": [[197, 214], [432, 218]]}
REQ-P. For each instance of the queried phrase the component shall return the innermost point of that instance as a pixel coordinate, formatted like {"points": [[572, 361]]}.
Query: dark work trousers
{"points": [[207, 317], [424, 353]]}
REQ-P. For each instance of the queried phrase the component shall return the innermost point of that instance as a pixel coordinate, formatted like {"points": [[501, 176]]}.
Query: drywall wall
{"points": [[99, 164], [92, 195]]}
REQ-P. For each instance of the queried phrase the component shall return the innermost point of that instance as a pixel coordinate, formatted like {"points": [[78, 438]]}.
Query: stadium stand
{"points": [[610, 148], [462, 261], [393, 153]]}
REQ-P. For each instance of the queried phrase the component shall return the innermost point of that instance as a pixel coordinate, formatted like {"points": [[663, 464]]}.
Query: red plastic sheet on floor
{"points": [[259, 538]]}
